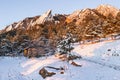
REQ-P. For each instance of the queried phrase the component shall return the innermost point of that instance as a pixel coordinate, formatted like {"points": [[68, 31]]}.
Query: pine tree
{"points": [[65, 45]]}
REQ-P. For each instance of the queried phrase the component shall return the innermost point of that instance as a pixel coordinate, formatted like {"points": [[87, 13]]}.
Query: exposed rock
{"points": [[45, 17], [118, 16], [85, 25], [61, 68], [44, 73], [39, 47], [75, 64], [9, 28], [35, 52], [95, 23], [62, 72], [107, 10], [73, 16]]}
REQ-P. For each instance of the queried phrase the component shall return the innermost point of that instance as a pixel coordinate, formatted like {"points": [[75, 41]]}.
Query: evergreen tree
{"points": [[65, 45]]}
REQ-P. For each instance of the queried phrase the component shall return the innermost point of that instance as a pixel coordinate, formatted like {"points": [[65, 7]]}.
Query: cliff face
{"points": [[32, 34], [107, 10], [99, 22], [29, 22], [104, 19], [85, 24], [102, 11]]}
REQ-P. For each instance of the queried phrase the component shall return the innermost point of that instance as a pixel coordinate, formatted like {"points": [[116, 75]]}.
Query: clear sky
{"points": [[15, 10]]}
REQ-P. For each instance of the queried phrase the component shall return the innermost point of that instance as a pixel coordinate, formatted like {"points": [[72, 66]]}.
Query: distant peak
{"points": [[106, 10], [106, 6]]}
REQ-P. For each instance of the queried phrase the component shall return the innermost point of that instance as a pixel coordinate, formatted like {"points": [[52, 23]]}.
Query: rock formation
{"points": [[86, 24], [45, 17]]}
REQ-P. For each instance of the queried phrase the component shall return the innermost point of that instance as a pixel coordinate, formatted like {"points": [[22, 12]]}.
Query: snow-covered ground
{"points": [[101, 61], [107, 52]]}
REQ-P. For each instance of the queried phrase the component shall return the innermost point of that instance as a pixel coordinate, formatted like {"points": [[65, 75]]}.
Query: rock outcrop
{"points": [[44, 73], [107, 10], [29, 22], [45, 17], [96, 23], [85, 25]]}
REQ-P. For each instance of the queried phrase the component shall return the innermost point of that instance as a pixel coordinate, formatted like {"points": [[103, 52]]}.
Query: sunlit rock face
{"points": [[107, 10], [85, 24], [85, 15], [45, 17], [30, 22]]}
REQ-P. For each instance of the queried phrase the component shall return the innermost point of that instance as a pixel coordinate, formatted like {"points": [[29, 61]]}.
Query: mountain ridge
{"points": [[86, 24]]}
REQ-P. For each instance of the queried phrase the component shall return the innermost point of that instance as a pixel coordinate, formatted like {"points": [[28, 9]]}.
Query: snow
{"points": [[101, 61], [37, 64], [9, 67], [100, 52]]}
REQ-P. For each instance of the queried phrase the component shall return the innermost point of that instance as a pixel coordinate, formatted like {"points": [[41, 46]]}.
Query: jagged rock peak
{"points": [[107, 10], [73, 16], [29, 22], [80, 14], [47, 16], [107, 6], [102, 11]]}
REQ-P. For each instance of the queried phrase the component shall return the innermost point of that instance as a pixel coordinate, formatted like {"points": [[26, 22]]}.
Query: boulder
{"points": [[44, 73]]}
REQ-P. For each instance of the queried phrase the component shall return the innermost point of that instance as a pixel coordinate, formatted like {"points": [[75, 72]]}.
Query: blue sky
{"points": [[15, 10]]}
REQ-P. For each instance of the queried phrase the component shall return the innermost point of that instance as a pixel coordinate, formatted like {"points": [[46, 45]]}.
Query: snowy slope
{"points": [[106, 52], [100, 62]]}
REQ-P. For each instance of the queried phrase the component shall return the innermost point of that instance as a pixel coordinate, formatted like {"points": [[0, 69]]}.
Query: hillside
{"points": [[47, 29]]}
